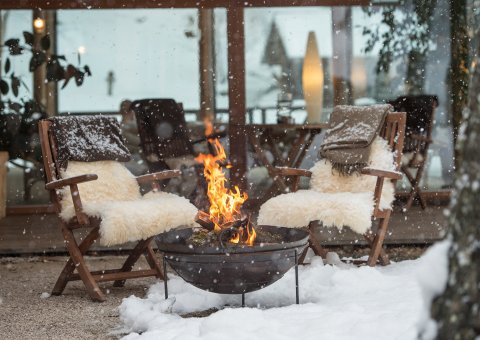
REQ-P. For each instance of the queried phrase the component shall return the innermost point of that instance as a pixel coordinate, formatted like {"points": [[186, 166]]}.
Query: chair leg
{"points": [[377, 243], [153, 262], [69, 268], [418, 177], [314, 243], [132, 259], [415, 192], [301, 259], [383, 258], [411, 195], [92, 287]]}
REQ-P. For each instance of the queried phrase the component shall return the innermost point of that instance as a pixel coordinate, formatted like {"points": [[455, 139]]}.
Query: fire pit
{"points": [[228, 255], [233, 268]]}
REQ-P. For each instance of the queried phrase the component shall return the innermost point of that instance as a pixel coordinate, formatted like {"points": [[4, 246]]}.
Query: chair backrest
{"points": [[49, 155], [324, 179], [162, 129], [393, 132], [83, 139], [420, 112]]}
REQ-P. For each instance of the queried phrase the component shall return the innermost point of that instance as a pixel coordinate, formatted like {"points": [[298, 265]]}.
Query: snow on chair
{"points": [[90, 188], [338, 200]]}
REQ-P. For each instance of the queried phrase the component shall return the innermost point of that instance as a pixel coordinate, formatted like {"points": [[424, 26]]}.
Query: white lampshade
{"points": [[312, 80]]}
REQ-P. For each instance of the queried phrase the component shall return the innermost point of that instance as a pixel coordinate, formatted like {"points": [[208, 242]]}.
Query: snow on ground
{"points": [[338, 301]]}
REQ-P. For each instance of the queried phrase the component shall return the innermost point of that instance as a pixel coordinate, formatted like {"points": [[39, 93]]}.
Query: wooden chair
{"points": [[164, 135], [393, 131], [76, 249], [418, 137], [163, 131]]}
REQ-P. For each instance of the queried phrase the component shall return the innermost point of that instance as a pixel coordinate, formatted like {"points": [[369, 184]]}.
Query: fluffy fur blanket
{"points": [[115, 198], [334, 199]]}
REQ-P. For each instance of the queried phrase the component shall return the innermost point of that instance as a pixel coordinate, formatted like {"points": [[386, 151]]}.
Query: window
{"points": [[133, 54], [276, 41], [275, 44]]}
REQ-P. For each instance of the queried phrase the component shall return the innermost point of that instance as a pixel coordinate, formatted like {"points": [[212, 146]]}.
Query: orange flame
{"points": [[225, 203], [251, 235], [248, 233]]}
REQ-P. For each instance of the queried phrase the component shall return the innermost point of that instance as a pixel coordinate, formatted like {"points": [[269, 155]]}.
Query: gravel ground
{"points": [[28, 312]]}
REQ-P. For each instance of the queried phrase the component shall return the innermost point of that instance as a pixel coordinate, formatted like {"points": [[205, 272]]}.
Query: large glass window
{"points": [[24, 176], [14, 23], [276, 47], [133, 54], [136, 54]]}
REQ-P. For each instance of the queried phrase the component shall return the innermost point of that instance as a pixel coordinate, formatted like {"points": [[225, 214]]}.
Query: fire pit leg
{"points": [[243, 299], [297, 298], [165, 278]]}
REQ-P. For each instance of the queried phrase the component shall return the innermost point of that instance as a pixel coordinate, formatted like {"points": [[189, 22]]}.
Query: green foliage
{"points": [[57, 67], [402, 30], [19, 117]]}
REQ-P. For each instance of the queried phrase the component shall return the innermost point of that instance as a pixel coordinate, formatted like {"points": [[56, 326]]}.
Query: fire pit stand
{"points": [[233, 269]]}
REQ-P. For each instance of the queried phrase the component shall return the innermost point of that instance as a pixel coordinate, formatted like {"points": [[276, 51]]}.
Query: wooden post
{"points": [[39, 88], [236, 96], [207, 63], [342, 52], [45, 93], [3, 183], [52, 87]]}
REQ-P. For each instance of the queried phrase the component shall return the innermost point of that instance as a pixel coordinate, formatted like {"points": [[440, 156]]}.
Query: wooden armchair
{"points": [[58, 187], [164, 137], [420, 112], [393, 132]]}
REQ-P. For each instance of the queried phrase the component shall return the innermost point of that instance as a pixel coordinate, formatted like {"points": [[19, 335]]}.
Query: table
{"points": [[263, 137]]}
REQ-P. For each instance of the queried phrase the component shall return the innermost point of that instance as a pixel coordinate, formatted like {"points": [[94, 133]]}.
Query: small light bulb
{"points": [[82, 49], [39, 24]]}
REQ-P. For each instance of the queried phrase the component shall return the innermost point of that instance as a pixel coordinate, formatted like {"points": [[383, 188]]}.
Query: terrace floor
{"points": [[40, 234]]}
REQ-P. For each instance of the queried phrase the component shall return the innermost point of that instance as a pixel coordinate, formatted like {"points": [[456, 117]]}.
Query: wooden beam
{"points": [[45, 93], [236, 96], [52, 87], [342, 42], [123, 4], [206, 45], [3, 183], [39, 75]]}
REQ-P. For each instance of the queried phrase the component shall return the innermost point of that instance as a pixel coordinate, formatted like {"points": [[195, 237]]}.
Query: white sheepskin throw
{"points": [[115, 198], [333, 199], [325, 179]]}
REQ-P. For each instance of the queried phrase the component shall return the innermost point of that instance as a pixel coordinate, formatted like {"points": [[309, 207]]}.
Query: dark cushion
{"points": [[88, 139]]}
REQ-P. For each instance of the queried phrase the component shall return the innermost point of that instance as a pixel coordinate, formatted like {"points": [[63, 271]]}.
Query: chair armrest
{"points": [[69, 181], [285, 171], [158, 176], [218, 134], [421, 138], [381, 173], [82, 218]]}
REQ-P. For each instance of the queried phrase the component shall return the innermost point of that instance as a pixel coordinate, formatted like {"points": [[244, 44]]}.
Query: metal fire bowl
{"points": [[233, 269]]}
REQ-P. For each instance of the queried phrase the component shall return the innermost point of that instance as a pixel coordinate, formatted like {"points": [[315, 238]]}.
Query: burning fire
{"points": [[225, 203]]}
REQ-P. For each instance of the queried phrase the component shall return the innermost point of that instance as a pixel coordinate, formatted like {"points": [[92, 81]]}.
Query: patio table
{"points": [[263, 137]]}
